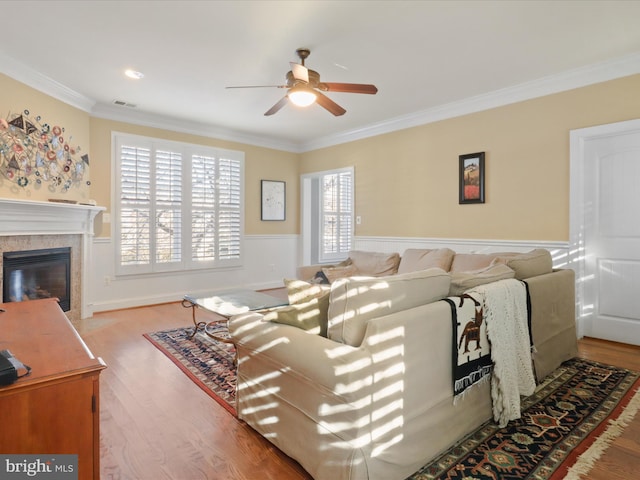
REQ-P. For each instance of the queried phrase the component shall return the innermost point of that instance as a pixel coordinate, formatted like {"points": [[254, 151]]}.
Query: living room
{"points": [[406, 179]]}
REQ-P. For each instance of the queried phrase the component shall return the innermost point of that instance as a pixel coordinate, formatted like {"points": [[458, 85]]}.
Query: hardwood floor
{"points": [[157, 424]]}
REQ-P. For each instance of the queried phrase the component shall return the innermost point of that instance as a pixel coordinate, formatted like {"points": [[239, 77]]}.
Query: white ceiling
{"points": [[429, 59]]}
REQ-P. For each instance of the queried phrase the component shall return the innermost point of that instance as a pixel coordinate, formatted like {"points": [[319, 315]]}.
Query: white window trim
{"points": [[117, 138], [311, 218]]}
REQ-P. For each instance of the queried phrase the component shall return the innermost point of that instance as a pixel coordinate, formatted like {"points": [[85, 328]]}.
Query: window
{"points": [[178, 206], [336, 222]]}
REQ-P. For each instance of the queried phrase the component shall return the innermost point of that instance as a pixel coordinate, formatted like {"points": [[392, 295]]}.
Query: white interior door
{"points": [[609, 234]]}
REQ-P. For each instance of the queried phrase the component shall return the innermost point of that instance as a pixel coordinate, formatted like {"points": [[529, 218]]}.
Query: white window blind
{"points": [[336, 215], [179, 206]]}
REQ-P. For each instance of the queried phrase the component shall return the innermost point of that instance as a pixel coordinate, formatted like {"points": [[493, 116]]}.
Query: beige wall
{"points": [[407, 181], [15, 98], [93, 135]]}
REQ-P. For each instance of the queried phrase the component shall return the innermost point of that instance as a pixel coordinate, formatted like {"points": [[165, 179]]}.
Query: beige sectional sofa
{"points": [[354, 379]]}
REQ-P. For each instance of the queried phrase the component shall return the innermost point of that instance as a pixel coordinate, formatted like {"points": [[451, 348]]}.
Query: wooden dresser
{"points": [[54, 410]]}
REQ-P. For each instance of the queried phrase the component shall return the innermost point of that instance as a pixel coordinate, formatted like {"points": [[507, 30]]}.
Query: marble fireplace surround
{"points": [[31, 225]]}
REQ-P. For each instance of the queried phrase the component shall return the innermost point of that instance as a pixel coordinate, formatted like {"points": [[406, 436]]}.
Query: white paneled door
{"points": [[606, 229]]}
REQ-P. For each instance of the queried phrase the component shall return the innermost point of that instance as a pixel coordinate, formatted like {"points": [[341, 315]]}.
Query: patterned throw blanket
{"points": [[471, 348], [491, 328]]}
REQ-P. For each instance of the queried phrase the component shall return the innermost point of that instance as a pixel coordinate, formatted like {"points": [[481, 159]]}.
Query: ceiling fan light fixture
{"points": [[302, 96]]}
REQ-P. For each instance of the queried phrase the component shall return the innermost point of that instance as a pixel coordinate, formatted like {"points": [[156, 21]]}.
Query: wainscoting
{"points": [[268, 259]]}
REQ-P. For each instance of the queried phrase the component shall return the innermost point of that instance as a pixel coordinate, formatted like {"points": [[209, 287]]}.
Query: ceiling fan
{"points": [[305, 88]]}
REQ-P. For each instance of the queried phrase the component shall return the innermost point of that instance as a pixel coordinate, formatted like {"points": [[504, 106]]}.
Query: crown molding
{"points": [[126, 115], [571, 79], [34, 79]]}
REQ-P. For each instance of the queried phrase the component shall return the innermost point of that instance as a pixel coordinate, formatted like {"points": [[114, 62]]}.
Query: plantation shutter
{"points": [[135, 205], [177, 209], [229, 221], [337, 215], [168, 207]]}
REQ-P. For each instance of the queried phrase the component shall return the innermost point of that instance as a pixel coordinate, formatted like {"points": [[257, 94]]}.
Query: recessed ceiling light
{"points": [[134, 74]]}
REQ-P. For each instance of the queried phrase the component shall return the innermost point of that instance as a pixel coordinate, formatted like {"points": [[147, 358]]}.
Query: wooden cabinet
{"points": [[54, 410]]}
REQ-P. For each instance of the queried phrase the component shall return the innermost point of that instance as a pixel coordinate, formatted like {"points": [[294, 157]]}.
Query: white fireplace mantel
{"points": [[30, 217]]}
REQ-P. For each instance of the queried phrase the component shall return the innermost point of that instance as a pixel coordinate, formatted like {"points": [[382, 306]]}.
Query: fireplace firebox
{"points": [[34, 274]]}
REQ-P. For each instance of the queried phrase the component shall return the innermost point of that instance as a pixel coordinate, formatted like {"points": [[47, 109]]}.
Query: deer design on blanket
{"points": [[470, 365], [471, 332]]}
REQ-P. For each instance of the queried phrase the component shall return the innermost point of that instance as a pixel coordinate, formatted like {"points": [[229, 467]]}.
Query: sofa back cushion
{"points": [[374, 264], [414, 259], [354, 301]]}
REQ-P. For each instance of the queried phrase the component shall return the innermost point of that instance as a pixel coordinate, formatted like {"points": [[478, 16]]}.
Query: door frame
{"points": [[578, 210]]}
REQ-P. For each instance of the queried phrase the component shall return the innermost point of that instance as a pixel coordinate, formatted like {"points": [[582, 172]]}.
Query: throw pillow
{"points": [[310, 315], [463, 281], [334, 273], [466, 262], [299, 291], [414, 259], [530, 264]]}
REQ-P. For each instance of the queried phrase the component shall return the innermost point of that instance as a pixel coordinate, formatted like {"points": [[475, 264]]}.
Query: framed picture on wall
{"points": [[471, 178], [273, 200]]}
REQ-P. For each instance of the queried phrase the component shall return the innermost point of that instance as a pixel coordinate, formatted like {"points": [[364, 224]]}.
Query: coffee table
{"points": [[227, 304]]}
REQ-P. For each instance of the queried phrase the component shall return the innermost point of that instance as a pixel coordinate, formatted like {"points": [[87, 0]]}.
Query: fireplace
{"points": [[33, 274], [33, 225]]}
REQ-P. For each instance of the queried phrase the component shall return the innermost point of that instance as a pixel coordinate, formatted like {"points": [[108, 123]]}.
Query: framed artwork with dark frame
{"points": [[273, 200], [471, 179]]}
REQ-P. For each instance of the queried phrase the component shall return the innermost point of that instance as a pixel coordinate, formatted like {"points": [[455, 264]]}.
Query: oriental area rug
{"points": [[565, 427], [209, 363]]}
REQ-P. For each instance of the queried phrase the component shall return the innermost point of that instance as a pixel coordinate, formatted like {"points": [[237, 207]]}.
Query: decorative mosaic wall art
{"points": [[34, 154]]}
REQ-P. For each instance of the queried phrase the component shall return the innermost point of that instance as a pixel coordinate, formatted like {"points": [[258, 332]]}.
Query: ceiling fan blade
{"points": [[328, 104], [300, 72], [260, 86], [349, 88], [283, 101]]}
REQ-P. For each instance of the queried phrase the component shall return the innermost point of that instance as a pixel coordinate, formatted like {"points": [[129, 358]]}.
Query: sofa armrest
{"points": [[553, 319]]}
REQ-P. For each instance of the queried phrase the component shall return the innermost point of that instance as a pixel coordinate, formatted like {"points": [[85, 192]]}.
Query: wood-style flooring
{"points": [[157, 424]]}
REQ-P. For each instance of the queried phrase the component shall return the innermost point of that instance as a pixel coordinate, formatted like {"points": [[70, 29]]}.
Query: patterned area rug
{"points": [[207, 362], [565, 427]]}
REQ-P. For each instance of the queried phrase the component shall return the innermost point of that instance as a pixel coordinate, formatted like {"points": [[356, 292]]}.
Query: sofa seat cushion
{"points": [[356, 300], [527, 265], [463, 281], [374, 264], [414, 259]]}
